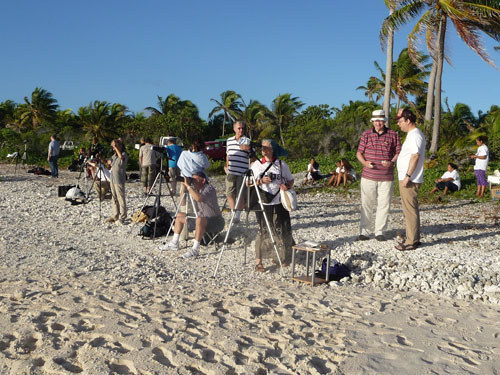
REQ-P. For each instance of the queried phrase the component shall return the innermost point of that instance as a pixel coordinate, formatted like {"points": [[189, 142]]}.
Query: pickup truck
{"points": [[216, 150]]}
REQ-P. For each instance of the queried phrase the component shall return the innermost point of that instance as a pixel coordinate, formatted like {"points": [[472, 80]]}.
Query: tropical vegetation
{"points": [[412, 80]]}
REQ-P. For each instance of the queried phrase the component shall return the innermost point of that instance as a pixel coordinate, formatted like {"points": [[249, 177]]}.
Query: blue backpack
{"points": [[336, 272]]}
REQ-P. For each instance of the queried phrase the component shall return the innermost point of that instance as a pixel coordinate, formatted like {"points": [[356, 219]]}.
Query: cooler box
{"points": [[495, 192]]}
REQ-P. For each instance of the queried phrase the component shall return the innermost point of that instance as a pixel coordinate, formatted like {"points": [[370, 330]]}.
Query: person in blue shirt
{"points": [[173, 153]]}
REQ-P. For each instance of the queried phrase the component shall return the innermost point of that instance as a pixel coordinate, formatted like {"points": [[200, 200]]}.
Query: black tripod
{"points": [[249, 182], [99, 176], [159, 177]]}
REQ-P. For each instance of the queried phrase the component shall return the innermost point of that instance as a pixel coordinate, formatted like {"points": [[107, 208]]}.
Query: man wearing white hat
{"points": [[378, 151]]}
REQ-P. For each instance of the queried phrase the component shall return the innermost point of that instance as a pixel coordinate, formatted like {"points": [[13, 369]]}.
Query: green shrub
{"points": [[216, 167]]}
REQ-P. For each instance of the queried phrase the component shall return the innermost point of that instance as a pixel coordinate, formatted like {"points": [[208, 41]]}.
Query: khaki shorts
{"points": [[233, 185], [174, 172]]}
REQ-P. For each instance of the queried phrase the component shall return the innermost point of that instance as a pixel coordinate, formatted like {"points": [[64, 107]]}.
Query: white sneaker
{"points": [[193, 253], [169, 246]]}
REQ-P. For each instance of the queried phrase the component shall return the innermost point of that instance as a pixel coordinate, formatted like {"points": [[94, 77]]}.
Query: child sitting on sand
{"points": [[449, 181]]}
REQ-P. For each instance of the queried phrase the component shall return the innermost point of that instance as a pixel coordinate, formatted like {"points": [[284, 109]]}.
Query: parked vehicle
{"points": [[164, 141], [68, 145], [216, 150]]}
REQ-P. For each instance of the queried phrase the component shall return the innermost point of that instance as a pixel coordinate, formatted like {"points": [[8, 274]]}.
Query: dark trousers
{"points": [[54, 170], [279, 220], [451, 186]]}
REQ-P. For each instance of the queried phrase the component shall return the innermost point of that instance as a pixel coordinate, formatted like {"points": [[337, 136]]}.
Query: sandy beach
{"points": [[78, 295]]}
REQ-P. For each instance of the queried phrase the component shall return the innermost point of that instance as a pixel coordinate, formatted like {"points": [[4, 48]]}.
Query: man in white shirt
{"points": [[410, 166]]}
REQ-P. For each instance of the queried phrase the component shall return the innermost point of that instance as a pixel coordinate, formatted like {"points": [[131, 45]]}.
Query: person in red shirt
{"points": [[378, 151]]}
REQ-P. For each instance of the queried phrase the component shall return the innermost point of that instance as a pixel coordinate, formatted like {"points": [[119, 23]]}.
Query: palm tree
{"points": [[230, 103], [407, 79], [171, 104], [41, 107], [254, 116], [283, 110], [391, 4], [375, 87], [102, 120], [469, 18]]}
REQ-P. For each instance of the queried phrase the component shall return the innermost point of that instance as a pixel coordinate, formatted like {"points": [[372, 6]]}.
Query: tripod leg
{"points": [[231, 225]]}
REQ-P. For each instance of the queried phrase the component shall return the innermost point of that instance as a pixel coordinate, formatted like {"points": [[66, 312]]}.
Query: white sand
{"points": [[81, 296]]}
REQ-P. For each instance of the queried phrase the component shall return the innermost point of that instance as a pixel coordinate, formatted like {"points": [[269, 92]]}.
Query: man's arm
{"points": [[194, 193], [119, 153], [363, 161]]}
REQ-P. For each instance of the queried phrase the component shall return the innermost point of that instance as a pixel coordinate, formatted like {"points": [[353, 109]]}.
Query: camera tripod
{"points": [[99, 175], [185, 194], [18, 158], [157, 203], [249, 182]]}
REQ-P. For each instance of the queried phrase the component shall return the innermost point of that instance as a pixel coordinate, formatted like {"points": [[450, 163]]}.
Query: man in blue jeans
{"points": [[53, 155]]}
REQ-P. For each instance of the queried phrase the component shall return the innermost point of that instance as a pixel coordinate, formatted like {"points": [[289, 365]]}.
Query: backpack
{"points": [[336, 272], [163, 222]]}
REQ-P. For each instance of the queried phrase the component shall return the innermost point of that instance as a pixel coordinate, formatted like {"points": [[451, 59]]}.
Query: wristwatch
{"points": [[407, 175]]}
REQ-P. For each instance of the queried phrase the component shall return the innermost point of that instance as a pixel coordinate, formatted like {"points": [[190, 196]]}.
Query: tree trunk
{"points": [[388, 69], [430, 94], [437, 96], [224, 124], [281, 134]]}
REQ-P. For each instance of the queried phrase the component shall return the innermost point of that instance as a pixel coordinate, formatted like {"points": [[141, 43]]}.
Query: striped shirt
{"points": [[237, 158], [376, 148]]}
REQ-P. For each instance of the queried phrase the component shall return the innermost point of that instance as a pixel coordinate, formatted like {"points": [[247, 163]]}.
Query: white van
{"points": [[68, 145]]}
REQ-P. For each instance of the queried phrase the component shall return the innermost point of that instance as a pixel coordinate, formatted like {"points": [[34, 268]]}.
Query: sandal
{"points": [[259, 268], [406, 247]]}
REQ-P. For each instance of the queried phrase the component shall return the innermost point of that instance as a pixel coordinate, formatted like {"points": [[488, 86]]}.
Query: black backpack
{"points": [[163, 222], [336, 272]]}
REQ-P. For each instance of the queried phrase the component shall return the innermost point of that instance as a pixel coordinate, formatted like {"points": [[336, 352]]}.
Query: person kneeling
{"points": [[209, 217]]}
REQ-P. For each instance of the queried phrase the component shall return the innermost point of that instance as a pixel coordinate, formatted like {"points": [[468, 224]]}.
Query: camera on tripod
{"points": [[160, 150]]}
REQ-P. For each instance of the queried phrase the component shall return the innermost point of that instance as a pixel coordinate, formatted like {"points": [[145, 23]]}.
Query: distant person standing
{"points": [[173, 152], [410, 165], [53, 156], [482, 157], [118, 165], [237, 163], [147, 161], [378, 151]]}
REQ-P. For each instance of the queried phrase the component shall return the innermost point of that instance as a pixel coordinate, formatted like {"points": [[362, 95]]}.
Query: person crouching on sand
{"points": [[449, 181]]}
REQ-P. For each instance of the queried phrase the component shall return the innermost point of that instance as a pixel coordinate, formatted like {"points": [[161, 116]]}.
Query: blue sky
{"points": [[131, 51]]}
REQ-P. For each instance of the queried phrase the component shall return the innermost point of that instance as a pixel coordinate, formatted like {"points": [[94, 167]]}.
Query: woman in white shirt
{"points": [[449, 181], [272, 175]]}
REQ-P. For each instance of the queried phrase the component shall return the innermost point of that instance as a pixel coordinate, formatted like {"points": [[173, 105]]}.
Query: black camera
{"points": [[160, 150], [272, 176]]}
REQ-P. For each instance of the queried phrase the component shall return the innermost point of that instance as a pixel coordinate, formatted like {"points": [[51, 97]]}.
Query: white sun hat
{"points": [[378, 114]]}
